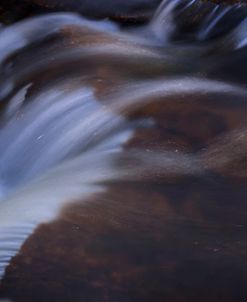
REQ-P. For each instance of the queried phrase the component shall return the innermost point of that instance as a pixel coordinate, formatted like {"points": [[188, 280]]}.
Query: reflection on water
{"points": [[123, 157]]}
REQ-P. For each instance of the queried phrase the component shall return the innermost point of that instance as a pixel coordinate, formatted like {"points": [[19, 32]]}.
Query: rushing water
{"points": [[123, 157]]}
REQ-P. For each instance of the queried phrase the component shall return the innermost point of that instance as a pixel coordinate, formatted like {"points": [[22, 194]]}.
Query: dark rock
{"points": [[124, 11]]}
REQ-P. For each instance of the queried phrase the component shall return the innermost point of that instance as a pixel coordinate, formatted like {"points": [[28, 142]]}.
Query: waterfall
{"points": [[75, 92]]}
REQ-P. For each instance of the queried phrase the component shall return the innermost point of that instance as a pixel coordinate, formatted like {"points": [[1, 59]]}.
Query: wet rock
{"points": [[161, 243], [130, 12], [133, 11]]}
